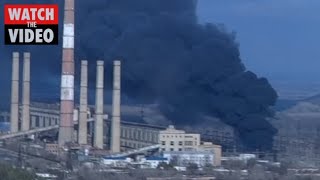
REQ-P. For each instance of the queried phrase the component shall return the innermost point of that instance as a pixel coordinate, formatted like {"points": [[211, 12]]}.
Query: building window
{"points": [[180, 149], [189, 149], [126, 133], [188, 143], [163, 149], [180, 143], [135, 135], [172, 143], [144, 138], [163, 143], [171, 149], [154, 138], [139, 135], [149, 136]]}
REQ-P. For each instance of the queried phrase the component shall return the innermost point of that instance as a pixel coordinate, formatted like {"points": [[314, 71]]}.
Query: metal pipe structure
{"points": [[67, 77], [14, 114], [116, 108], [82, 134], [25, 124], [98, 130]]}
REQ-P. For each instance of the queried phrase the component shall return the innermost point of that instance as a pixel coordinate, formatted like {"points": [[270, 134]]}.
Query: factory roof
{"points": [[187, 152], [156, 158], [115, 158]]}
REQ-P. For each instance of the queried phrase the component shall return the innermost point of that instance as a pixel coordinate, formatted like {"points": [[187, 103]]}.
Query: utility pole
{"points": [[19, 156], [69, 158], [142, 113]]}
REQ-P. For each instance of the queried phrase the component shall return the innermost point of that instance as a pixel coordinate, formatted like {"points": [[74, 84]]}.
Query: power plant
{"points": [[74, 124], [14, 115], [143, 90], [116, 103], [68, 114], [98, 126], [67, 76], [22, 124], [101, 131], [25, 124], [82, 136]]}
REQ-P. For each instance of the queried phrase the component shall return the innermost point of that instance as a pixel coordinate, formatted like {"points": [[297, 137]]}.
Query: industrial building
{"points": [[43, 115], [172, 139], [178, 143], [82, 124], [135, 135], [184, 159]]}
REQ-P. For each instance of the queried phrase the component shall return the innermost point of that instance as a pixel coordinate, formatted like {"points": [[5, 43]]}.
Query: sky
{"points": [[279, 39]]}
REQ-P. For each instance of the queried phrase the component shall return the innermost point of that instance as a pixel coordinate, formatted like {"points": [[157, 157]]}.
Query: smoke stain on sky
{"points": [[279, 39]]}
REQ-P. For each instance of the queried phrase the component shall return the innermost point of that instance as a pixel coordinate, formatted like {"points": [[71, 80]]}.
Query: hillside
{"points": [[284, 104]]}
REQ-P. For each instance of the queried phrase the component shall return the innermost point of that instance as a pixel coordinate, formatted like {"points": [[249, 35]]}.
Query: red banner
{"points": [[24, 13]]}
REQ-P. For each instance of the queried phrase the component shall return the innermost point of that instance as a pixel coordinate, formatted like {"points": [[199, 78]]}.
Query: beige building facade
{"points": [[172, 139], [216, 149]]}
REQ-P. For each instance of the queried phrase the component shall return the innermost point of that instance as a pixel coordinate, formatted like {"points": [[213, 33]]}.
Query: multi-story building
{"points": [[200, 158], [172, 139], [188, 147], [216, 149], [218, 133]]}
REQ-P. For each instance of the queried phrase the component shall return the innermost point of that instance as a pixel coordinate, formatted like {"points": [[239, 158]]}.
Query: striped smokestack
{"points": [[25, 124], [14, 114], [98, 130], [116, 112], [83, 103], [67, 79]]}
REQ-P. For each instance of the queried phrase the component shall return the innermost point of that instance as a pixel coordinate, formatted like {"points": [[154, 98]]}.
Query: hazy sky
{"points": [[279, 39]]}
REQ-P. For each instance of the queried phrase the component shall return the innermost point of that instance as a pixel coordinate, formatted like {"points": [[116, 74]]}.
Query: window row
{"points": [[180, 143], [135, 134]]}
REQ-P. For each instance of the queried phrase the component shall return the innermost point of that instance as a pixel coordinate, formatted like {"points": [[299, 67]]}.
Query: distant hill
{"points": [[284, 104], [314, 99]]}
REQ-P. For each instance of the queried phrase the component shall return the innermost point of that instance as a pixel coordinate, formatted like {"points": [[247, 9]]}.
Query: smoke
{"points": [[189, 70]]}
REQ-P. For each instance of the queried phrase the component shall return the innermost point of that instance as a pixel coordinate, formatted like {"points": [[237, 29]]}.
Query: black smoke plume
{"points": [[189, 70]]}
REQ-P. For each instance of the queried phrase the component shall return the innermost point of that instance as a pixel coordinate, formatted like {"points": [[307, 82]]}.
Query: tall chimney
{"points": [[25, 124], [14, 114], [115, 126], [67, 77], [98, 130], [83, 103]]}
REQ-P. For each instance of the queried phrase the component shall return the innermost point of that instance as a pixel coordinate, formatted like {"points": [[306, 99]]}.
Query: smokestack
{"points": [[98, 132], [83, 103], [14, 115], [67, 77], [26, 93], [115, 126]]}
